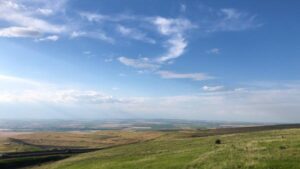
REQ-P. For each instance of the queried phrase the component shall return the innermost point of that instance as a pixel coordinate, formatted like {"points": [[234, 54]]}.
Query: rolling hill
{"points": [[275, 149]]}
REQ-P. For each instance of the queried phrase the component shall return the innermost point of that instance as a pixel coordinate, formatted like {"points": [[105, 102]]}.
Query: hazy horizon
{"points": [[191, 60]]}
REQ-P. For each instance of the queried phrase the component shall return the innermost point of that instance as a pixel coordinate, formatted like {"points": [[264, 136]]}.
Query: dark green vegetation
{"points": [[274, 149], [28, 161]]}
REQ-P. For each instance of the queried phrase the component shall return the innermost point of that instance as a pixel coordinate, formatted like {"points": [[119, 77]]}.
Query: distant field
{"points": [[6, 145], [276, 149], [95, 139]]}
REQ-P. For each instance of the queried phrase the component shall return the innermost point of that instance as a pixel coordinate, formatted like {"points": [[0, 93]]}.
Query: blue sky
{"points": [[206, 60]]}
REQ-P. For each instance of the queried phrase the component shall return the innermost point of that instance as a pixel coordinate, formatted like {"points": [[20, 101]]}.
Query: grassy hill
{"points": [[277, 149]]}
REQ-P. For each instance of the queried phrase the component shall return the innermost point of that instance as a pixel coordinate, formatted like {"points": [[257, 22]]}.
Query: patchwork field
{"points": [[86, 139], [50, 140], [276, 149], [7, 145]]}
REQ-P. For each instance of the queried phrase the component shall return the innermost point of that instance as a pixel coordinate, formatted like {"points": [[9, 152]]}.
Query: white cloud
{"points": [[87, 52], [193, 76], [19, 32], [122, 74], [94, 35], [108, 60], [15, 89], [212, 88], [263, 105], [171, 26], [276, 105], [134, 34], [14, 79], [76, 34], [234, 20], [142, 63], [23, 22], [94, 17], [182, 7], [58, 96], [240, 89], [174, 29], [176, 47], [213, 51], [45, 11], [115, 88], [101, 36], [49, 38], [231, 13]]}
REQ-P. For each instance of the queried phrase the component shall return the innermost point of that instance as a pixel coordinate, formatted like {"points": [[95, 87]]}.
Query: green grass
{"points": [[278, 149]]}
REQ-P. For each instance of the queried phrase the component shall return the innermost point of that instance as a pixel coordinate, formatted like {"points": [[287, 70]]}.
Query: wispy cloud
{"points": [[97, 17], [45, 11], [24, 22], [87, 52], [174, 29], [94, 17], [109, 59], [93, 35], [212, 88], [193, 76], [213, 51], [142, 63], [134, 34], [182, 7], [19, 32], [14, 79], [233, 20], [49, 38]]}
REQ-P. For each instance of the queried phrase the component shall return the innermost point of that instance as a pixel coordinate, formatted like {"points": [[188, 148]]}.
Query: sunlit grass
{"points": [[259, 150]]}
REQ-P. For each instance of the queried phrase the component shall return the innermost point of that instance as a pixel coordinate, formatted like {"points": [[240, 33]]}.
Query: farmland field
{"points": [[7, 145], [79, 139]]}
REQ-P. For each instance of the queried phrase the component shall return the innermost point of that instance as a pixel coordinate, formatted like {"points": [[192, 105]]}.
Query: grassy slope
{"points": [[260, 150]]}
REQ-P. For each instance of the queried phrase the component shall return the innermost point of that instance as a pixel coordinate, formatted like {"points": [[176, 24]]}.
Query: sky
{"points": [[173, 59]]}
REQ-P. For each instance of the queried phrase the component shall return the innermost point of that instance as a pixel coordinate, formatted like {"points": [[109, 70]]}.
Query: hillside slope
{"points": [[278, 149]]}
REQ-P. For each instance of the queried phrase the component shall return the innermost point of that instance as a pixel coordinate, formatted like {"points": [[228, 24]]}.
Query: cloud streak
{"points": [[142, 63], [134, 34], [192, 76], [49, 38], [233, 20], [92, 35], [212, 88], [215, 51]]}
